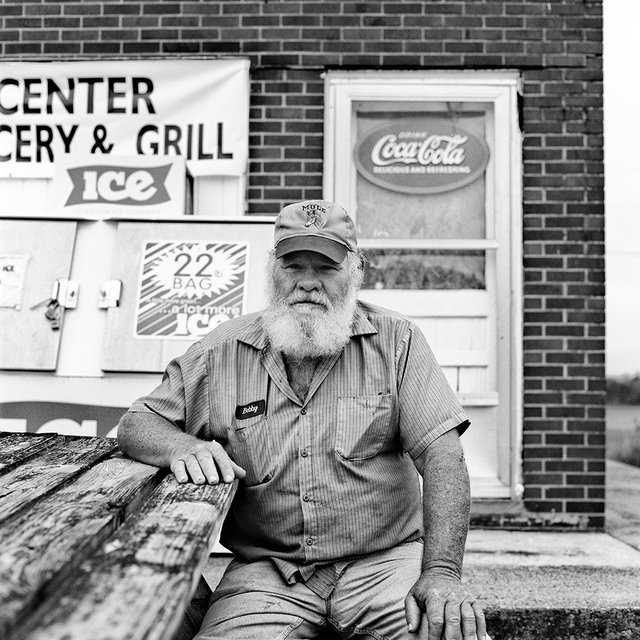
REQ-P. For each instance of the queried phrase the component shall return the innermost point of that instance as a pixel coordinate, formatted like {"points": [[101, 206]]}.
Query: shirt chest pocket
{"points": [[363, 425], [250, 448]]}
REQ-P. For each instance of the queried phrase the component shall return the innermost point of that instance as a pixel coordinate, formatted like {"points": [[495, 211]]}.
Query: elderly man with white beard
{"points": [[328, 411]]}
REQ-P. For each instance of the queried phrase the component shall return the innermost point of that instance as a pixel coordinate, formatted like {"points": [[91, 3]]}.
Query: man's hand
{"points": [[202, 461], [440, 606]]}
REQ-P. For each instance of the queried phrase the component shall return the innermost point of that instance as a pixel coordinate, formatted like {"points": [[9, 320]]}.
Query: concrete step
{"points": [[564, 624], [555, 586]]}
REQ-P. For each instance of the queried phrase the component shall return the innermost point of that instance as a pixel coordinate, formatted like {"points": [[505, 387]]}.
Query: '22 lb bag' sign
{"points": [[188, 288]]}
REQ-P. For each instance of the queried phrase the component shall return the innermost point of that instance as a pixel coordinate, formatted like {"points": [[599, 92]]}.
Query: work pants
{"points": [[360, 599]]}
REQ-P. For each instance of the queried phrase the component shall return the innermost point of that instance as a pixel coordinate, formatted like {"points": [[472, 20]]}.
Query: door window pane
{"points": [[421, 169], [424, 269]]}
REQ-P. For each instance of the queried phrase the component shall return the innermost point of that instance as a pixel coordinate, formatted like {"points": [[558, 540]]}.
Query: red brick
{"points": [[587, 506], [564, 492], [163, 8], [564, 465], [62, 48], [564, 438], [130, 8], [99, 48], [42, 9], [22, 48], [80, 8]]}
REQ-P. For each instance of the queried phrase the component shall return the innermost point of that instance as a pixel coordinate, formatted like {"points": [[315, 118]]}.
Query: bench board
{"points": [[18, 447], [51, 468], [139, 583], [43, 546]]}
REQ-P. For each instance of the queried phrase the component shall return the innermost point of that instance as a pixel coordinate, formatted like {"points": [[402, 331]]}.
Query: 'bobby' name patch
{"points": [[250, 410]]}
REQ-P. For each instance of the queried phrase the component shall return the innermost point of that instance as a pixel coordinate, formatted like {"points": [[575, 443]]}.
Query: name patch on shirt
{"points": [[251, 410]]}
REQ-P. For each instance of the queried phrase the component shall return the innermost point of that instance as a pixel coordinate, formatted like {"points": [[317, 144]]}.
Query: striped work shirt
{"points": [[330, 477]]}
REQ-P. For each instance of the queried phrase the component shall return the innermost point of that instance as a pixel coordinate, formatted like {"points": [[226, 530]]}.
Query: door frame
{"points": [[501, 89]]}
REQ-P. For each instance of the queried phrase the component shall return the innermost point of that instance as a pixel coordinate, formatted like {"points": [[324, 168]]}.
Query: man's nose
{"points": [[309, 282]]}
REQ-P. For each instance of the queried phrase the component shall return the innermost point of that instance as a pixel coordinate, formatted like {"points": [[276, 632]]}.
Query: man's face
{"points": [[311, 282], [312, 301]]}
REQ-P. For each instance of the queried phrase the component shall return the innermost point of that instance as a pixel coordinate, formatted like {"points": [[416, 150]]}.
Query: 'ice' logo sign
{"points": [[108, 184]]}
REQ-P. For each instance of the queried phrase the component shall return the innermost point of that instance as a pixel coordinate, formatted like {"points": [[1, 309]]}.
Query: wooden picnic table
{"points": [[95, 546]]}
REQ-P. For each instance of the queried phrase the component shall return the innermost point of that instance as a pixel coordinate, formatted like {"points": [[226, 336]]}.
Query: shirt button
{"points": [[306, 498], [303, 412], [309, 541], [304, 453]]}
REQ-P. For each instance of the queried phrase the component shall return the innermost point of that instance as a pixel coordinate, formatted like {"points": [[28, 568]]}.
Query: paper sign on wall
{"points": [[13, 269], [188, 288]]}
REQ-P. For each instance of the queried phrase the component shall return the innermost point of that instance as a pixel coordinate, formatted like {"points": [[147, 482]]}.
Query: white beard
{"points": [[301, 332]]}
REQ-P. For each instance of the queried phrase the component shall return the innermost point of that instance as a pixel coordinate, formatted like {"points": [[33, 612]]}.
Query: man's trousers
{"points": [[363, 598]]}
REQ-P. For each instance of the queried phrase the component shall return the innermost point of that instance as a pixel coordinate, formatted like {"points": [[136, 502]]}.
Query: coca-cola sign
{"points": [[421, 155]]}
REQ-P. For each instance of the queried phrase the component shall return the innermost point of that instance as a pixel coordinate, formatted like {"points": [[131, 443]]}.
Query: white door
{"points": [[428, 165]]}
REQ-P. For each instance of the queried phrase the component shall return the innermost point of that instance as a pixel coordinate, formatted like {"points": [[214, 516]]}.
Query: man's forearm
{"points": [[439, 604], [446, 504], [149, 438]]}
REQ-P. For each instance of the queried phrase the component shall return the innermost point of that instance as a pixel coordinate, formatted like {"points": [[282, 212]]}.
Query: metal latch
{"points": [[65, 293], [109, 295]]}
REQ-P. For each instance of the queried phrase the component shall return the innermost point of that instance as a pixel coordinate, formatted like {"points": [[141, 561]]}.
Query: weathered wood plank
{"points": [[47, 472], [147, 603], [15, 448], [138, 585], [41, 548]]}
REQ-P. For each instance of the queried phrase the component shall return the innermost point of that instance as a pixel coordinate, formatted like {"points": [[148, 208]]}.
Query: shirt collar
{"points": [[362, 326], [256, 336]]}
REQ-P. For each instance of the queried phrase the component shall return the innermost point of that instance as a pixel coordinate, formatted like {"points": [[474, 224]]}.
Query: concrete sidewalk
{"points": [[564, 585], [555, 586]]}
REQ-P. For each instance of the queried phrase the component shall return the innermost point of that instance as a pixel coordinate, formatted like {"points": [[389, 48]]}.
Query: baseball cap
{"points": [[315, 225]]}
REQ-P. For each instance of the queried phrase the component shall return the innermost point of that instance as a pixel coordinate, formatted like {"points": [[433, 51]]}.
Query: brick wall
{"points": [[558, 48]]}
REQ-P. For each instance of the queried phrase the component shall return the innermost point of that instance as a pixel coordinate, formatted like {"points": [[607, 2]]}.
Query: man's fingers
{"points": [[448, 611], [212, 461], [481, 623], [208, 466], [205, 462], [435, 619], [238, 470], [468, 616], [225, 464], [194, 470], [179, 471], [452, 621], [412, 613]]}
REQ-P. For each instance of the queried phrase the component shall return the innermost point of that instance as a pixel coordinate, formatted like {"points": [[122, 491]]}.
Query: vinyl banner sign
{"points": [[421, 155], [197, 109], [188, 288]]}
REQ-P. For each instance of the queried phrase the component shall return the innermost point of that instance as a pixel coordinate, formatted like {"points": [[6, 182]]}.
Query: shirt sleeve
{"points": [[182, 396], [427, 404]]}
